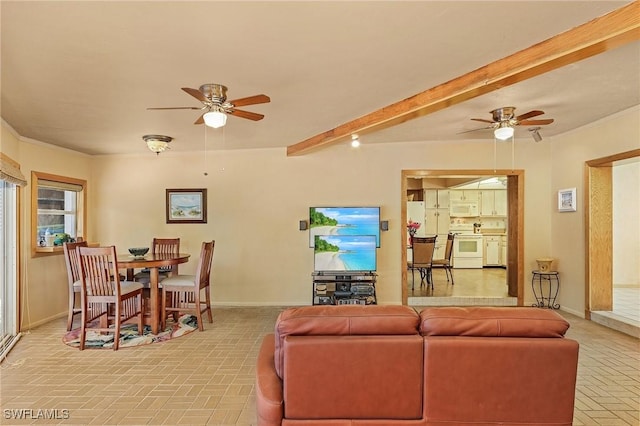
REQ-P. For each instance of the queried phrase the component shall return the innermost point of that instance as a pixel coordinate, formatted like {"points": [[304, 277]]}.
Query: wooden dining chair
{"points": [[182, 293], [422, 257], [71, 258], [105, 296], [445, 262], [160, 245]]}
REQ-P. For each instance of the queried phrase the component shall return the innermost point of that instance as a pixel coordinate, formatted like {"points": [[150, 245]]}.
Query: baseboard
{"points": [[43, 321], [572, 311]]}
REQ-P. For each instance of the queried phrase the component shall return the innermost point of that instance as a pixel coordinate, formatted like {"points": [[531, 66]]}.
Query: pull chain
{"points": [[205, 151], [495, 154], [513, 152]]}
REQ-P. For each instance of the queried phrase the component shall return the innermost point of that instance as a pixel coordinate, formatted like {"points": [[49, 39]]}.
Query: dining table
{"points": [[152, 261]]}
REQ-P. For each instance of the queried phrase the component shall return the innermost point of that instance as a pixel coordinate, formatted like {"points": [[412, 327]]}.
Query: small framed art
{"points": [[567, 200], [186, 205]]}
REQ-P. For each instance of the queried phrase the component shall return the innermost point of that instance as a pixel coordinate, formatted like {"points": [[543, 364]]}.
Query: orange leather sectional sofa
{"points": [[390, 365]]}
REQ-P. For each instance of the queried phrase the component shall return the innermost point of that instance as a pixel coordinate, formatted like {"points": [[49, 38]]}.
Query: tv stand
{"points": [[344, 288]]}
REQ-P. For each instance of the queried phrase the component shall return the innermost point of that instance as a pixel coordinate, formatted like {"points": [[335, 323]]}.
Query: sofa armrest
{"points": [[269, 397]]}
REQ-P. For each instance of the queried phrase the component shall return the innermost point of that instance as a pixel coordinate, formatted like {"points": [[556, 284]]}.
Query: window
{"points": [[58, 210]]}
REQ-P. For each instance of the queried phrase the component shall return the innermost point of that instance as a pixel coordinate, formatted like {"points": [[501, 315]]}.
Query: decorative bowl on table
{"points": [[138, 251]]}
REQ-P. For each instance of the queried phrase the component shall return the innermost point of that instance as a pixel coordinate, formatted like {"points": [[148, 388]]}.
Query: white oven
{"points": [[467, 251]]}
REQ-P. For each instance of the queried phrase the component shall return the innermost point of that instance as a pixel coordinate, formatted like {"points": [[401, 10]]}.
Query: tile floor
{"points": [[207, 378], [487, 286], [626, 302], [625, 315]]}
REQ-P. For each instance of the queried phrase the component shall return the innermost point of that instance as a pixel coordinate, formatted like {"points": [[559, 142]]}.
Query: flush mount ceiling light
{"points": [[503, 132], [157, 143], [215, 118], [355, 141]]}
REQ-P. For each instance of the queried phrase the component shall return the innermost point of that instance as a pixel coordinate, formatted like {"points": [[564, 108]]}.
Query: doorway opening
{"points": [[514, 226], [611, 287]]}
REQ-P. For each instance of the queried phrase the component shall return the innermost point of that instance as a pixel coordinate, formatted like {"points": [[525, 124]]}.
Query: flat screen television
{"points": [[344, 253], [344, 221]]}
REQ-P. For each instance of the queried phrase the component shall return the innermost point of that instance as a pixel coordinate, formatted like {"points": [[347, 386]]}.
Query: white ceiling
{"points": [[80, 74]]}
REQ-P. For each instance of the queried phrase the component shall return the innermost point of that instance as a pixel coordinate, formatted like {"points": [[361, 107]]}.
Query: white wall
{"points": [[626, 224], [257, 197], [44, 289], [613, 135]]}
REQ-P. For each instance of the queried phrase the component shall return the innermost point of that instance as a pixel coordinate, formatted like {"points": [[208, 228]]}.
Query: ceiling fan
{"points": [[504, 121], [216, 106]]}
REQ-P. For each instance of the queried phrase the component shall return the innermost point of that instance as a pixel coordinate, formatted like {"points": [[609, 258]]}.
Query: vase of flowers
{"points": [[412, 228]]}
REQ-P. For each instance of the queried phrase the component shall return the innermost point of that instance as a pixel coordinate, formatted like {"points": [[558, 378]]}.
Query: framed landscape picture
{"points": [[567, 200], [186, 205]]}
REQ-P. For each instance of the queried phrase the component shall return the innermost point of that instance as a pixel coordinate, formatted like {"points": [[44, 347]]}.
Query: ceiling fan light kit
{"points": [[157, 143], [215, 118], [503, 132]]}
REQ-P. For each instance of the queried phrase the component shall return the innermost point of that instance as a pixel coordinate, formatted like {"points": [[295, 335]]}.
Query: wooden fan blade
{"points": [[535, 122], [475, 130], [196, 94], [177, 108], [200, 119], [483, 120], [251, 100], [529, 114], [246, 114]]}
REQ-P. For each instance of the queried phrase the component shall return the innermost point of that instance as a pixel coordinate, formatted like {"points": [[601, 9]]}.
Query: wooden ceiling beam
{"points": [[605, 33]]}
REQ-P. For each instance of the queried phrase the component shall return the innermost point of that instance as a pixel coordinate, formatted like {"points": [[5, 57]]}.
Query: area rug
{"points": [[129, 335]]}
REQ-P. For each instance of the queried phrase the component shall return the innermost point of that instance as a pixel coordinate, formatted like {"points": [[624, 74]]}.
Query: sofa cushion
{"points": [[353, 377], [344, 320], [492, 322]]}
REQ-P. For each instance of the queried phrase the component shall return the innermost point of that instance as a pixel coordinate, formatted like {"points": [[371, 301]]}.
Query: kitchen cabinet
{"points": [[436, 198], [493, 202], [437, 217], [464, 195], [503, 250], [437, 221], [492, 250]]}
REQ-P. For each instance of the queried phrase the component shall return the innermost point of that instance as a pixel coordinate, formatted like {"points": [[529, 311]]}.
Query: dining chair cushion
{"points": [[126, 287], [145, 277], [180, 280]]}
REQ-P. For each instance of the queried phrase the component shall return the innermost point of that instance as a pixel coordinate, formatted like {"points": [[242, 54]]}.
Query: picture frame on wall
{"points": [[567, 200], [186, 205]]}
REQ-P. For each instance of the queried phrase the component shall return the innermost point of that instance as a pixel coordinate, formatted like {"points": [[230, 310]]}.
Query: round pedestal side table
{"points": [[545, 280]]}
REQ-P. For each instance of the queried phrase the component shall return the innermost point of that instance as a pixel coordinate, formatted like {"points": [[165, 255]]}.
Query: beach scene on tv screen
{"points": [[344, 221], [345, 253]]}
